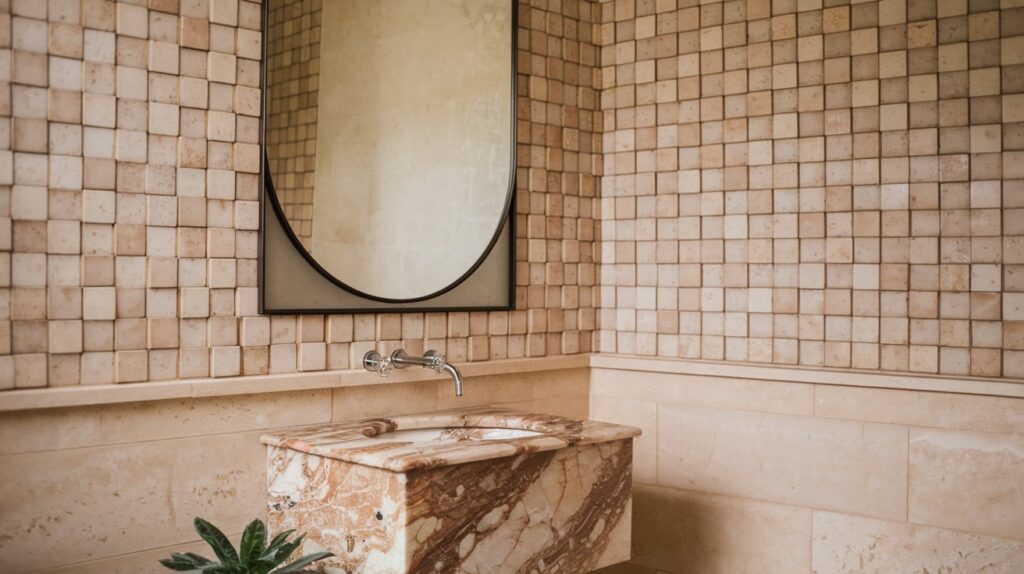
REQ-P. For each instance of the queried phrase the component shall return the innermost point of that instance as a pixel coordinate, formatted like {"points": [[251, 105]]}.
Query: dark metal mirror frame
{"points": [[268, 199]]}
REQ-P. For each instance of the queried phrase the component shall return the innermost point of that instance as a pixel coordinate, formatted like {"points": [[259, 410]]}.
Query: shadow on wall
{"points": [[680, 532], [670, 534]]}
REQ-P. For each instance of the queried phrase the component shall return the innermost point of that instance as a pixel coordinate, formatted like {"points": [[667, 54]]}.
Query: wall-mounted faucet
{"points": [[376, 363]]}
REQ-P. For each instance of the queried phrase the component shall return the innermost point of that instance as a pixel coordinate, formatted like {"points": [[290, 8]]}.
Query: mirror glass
{"points": [[389, 136]]}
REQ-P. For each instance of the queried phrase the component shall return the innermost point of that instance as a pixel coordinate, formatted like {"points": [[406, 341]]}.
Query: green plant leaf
{"points": [[262, 566], [275, 544], [253, 540], [200, 560], [253, 556], [221, 545], [221, 569], [280, 538], [178, 565], [185, 561], [288, 548], [297, 566]]}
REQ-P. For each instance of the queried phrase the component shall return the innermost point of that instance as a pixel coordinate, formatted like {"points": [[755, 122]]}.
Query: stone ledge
{"points": [[815, 375], [54, 397]]}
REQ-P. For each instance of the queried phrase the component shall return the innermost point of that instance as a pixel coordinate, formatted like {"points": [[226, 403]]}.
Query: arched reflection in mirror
{"points": [[389, 136]]}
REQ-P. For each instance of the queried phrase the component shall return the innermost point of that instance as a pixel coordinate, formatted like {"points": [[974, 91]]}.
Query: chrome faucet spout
{"points": [[456, 376], [438, 363], [399, 359]]}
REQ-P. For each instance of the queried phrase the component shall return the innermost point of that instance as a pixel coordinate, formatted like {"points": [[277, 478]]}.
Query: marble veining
{"points": [[377, 442], [473, 501]]}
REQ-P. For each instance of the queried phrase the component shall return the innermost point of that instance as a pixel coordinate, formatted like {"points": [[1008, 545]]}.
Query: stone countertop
{"points": [[365, 441]]}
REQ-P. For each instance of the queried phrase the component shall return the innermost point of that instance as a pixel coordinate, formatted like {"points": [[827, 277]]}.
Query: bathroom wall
{"points": [[111, 489], [764, 472], [824, 184], [792, 189], [128, 201]]}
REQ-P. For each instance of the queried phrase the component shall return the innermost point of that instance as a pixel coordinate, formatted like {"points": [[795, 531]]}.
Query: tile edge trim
{"points": [[1013, 388]]}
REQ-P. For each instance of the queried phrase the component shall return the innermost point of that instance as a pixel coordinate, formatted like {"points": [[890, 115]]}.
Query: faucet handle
{"points": [[375, 363], [437, 360]]}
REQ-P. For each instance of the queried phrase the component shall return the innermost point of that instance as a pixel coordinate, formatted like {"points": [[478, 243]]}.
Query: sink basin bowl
{"points": [[454, 434], [479, 490], [410, 442]]}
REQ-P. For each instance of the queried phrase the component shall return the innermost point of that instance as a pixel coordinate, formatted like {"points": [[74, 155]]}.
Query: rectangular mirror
{"points": [[389, 155]]}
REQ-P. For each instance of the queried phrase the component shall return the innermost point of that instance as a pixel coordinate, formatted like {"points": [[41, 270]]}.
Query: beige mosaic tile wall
{"points": [[128, 200], [810, 182], [293, 80], [791, 183]]}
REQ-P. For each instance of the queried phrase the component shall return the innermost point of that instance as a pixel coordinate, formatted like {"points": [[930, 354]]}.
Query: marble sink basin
{"points": [[452, 434], [481, 490]]}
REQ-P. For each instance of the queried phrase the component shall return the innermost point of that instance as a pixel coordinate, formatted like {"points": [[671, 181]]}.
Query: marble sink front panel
{"points": [[481, 491]]}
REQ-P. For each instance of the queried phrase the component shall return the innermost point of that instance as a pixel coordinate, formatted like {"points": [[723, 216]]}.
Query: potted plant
{"points": [[254, 555]]}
